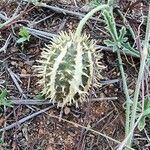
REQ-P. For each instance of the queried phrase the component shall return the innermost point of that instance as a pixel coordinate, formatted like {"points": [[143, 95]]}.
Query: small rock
{"points": [[13, 63], [66, 110], [111, 85], [102, 95], [23, 71], [20, 64], [14, 49], [28, 69]]}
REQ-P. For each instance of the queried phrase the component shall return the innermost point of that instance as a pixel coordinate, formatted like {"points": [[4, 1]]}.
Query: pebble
{"points": [[66, 110], [13, 63], [23, 71], [20, 64]]}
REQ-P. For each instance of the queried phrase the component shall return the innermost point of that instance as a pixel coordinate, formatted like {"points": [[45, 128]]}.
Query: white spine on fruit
{"points": [[58, 60], [77, 77]]}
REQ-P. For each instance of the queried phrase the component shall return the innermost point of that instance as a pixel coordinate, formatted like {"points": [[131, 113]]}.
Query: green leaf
{"points": [[119, 39], [146, 103], [23, 32], [110, 43], [141, 124], [148, 60], [21, 40], [147, 107], [128, 48], [3, 145], [3, 99], [24, 35], [122, 37], [95, 3], [3, 94], [1, 25], [110, 22], [146, 114], [40, 97]]}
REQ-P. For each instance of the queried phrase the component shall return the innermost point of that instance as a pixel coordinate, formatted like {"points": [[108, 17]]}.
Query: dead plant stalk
{"points": [[140, 77]]}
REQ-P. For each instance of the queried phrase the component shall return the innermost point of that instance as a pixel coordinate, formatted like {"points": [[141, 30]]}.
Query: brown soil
{"points": [[46, 131]]}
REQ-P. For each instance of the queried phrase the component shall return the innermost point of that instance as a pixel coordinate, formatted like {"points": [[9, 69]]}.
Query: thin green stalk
{"points": [[140, 76], [111, 25], [128, 136], [126, 92], [87, 16], [110, 2]]}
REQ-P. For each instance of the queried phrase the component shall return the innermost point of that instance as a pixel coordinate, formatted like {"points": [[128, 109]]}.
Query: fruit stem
{"points": [[88, 16]]}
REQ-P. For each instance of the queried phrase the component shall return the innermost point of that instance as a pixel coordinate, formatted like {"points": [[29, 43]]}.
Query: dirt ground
{"points": [[45, 131]]}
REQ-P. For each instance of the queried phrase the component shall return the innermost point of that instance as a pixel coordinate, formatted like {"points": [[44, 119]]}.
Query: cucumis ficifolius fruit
{"points": [[67, 68]]}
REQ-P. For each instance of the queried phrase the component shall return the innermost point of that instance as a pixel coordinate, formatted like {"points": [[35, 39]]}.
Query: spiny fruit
{"points": [[67, 68]]}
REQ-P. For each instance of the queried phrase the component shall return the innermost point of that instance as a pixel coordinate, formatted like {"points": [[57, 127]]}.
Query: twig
{"points": [[42, 34], [9, 21], [49, 36], [64, 11], [25, 119], [3, 17], [36, 22], [15, 78], [31, 102], [6, 44], [110, 81], [3, 134], [103, 99], [46, 102]]}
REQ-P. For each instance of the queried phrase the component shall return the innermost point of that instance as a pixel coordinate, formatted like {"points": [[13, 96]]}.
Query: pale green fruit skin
{"points": [[67, 69]]}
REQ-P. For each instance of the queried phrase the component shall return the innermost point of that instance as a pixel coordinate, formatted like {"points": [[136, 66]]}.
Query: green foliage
{"points": [[40, 96], [3, 144], [148, 57], [111, 24], [3, 99], [146, 114], [95, 3], [24, 35], [118, 39]]}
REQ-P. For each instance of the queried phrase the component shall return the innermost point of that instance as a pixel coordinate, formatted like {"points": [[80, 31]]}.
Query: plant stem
{"points": [[113, 31], [128, 136], [126, 92], [87, 16], [110, 2], [140, 76]]}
